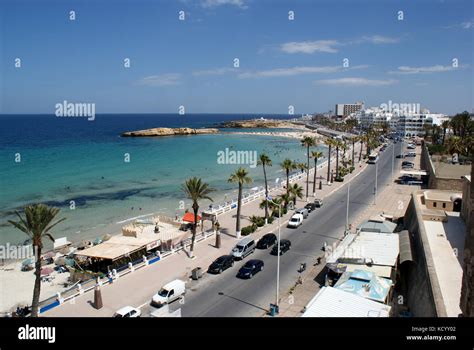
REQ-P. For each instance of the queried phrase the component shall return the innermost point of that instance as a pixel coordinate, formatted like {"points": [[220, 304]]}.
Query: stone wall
{"points": [[437, 182], [467, 290], [424, 297]]}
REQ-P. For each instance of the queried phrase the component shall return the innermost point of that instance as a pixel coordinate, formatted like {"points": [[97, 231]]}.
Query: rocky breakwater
{"points": [[259, 124], [168, 132]]}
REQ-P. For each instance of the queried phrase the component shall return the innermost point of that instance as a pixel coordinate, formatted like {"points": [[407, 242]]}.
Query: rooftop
{"points": [[365, 284], [377, 248], [333, 302]]}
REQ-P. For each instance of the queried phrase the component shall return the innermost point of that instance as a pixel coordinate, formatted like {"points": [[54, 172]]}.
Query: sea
{"points": [[102, 181]]}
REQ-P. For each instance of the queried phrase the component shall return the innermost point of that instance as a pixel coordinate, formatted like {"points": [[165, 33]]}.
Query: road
{"points": [[227, 296]]}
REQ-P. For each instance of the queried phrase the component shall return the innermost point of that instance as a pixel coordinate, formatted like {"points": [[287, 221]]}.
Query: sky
{"points": [[331, 51]]}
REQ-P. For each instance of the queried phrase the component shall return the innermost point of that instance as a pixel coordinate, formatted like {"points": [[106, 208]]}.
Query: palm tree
{"points": [[361, 140], [354, 140], [285, 198], [37, 224], [196, 190], [307, 142], [338, 144], [240, 176], [330, 143], [316, 155], [296, 191], [445, 126], [288, 165], [455, 145], [301, 166], [264, 161]]}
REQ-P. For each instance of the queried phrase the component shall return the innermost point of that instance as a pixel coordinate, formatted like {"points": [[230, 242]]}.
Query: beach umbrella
{"points": [[60, 261], [27, 262], [46, 271], [97, 241], [49, 255], [189, 217]]}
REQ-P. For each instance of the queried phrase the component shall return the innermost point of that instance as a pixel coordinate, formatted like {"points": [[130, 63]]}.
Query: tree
{"points": [[445, 126], [361, 140], [455, 145], [338, 145], [264, 160], [196, 190], [285, 198], [296, 191], [241, 177], [316, 155], [287, 165], [307, 142], [330, 143], [37, 224]]}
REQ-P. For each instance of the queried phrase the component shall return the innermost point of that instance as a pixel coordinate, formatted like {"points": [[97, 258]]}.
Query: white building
{"points": [[376, 116], [346, 109]]}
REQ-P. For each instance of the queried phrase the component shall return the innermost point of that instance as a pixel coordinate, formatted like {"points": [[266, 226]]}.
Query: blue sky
{"points": [[190, 62]]}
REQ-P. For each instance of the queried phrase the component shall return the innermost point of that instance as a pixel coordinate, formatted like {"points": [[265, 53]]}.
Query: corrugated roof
{"points": [[332, 302], [374, 247]]}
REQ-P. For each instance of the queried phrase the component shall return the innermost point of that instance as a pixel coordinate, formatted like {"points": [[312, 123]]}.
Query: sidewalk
{"points": [[393, 199], [178, 265]]}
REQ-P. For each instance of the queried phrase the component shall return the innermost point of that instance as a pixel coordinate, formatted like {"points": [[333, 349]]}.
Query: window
{"points": [[171, 293], [444, 205], [434, 204]]}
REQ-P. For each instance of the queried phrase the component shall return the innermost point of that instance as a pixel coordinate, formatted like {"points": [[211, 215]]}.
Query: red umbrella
{"points": [[46, 271], [189, 217]]}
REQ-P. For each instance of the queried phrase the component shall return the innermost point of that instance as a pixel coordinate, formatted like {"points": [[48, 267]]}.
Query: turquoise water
{"points": [[80, 161]]}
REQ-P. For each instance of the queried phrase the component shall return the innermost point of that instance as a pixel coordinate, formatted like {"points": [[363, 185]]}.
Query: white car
{"points": [[411, 146], [128, 311], [295, 221]]}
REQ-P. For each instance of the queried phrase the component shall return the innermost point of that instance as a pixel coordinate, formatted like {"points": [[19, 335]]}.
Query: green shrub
{"points": [[436, 149], [245, 231], [271, 219], [339, 179]]}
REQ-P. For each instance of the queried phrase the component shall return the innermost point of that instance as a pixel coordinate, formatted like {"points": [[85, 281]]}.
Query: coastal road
{"points": [[227, 296]]}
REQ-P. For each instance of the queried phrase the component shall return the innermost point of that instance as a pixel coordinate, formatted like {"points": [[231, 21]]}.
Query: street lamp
{"points": [[278, 250]]}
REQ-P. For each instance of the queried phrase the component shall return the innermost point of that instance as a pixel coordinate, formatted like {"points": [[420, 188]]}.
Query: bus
{"points": [[373, 158]]}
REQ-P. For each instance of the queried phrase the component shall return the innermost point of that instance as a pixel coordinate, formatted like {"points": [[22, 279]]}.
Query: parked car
{"points": [[310, 207], [408, 164], [400, 156], [411, 154], [407, 179], [411, 146], [285, 246], [250, 268], [128, 311], [221, 263], [169, 293], [245, 247], [318, 202], [302, 211], [295, 221], [266, 241]]}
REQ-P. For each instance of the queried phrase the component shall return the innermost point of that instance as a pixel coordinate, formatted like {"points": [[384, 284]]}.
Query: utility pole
{"points": [[347, 206], [375, 192]]}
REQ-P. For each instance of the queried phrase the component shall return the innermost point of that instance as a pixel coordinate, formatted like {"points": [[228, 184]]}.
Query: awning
{"points": [[189, 217], [406, 251]]}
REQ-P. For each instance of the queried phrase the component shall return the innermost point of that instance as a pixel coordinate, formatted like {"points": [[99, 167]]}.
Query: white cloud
{"points": [[379, 39], [468, 24], [214, 71], [331, 46], [292, 71], [310, 46], [420, 70], [355, 82], [161, 80], [215, 3]]}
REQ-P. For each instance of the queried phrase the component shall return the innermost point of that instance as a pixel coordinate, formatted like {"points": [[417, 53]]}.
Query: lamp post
{"points": [[347, 207], [375, 192], [278, 251]]}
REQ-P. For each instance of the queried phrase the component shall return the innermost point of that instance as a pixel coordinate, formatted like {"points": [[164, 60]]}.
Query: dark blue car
{"points": [[250, 268]]}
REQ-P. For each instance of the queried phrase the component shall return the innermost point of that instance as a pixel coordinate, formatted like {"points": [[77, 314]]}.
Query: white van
{"points": [[169, 293], [295, 221], [245, 247]]}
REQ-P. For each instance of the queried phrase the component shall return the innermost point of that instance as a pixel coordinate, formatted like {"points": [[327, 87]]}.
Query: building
{"points": [[467, 213], [432, 286], [333, 302], [346, 109], [376, 117], [413, 125]]}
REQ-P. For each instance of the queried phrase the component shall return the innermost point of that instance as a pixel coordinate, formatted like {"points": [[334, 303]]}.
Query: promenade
{"points": [[136, 288], [392, 199]]}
